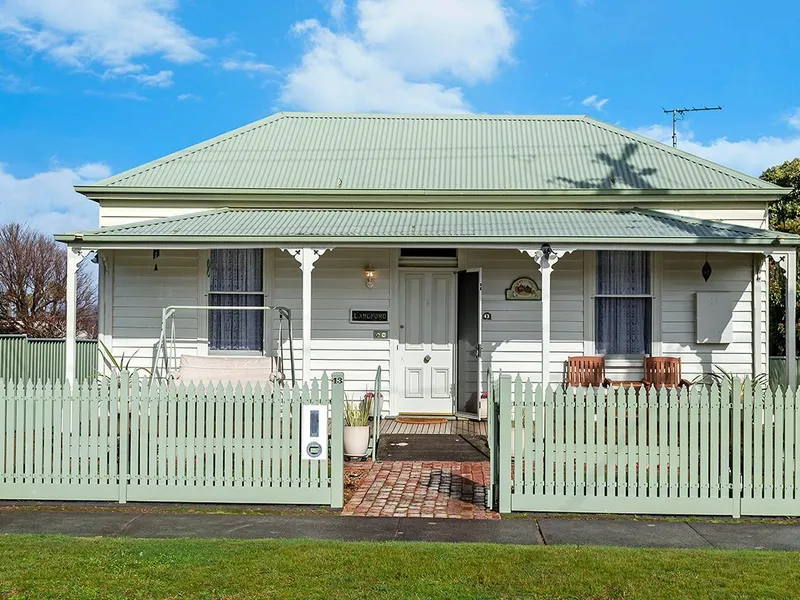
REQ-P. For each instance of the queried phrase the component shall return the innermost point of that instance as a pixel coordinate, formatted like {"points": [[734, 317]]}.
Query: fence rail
{"points": [[713, 450], [126, 440], [39, 359]]}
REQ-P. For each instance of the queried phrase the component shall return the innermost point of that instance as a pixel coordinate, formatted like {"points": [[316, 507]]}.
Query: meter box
{"points": [[314, 432]]}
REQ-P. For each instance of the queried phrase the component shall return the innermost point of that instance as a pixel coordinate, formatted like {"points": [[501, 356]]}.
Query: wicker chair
{"points": [[585, 371], [663, 371]]}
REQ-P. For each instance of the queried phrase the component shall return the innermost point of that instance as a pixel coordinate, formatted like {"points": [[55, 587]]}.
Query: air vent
{"points": [[429, 257]]}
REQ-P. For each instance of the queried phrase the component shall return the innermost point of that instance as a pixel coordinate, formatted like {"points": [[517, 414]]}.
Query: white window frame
{"points": [[590, 295], [266, 282]]}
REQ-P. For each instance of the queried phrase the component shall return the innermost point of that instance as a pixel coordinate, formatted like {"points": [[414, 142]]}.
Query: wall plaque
{"points": [[358, 315], [524, 288]]}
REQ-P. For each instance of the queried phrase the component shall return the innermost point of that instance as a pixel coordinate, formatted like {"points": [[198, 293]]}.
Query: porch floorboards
{"points": [[451, 427]]}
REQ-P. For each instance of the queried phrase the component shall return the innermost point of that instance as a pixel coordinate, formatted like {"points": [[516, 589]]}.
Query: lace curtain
{"points": [[622, 325], [236, 271]]}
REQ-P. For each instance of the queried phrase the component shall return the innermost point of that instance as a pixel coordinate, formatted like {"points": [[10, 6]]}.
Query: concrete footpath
{"points": [[550, 531]]}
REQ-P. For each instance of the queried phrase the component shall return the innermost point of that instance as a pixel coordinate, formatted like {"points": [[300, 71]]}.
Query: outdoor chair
{"points": [[585, 371], [663, 371]]}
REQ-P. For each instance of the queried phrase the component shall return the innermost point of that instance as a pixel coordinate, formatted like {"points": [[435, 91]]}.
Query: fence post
{"points": [[736, 443], [123, 406], [504, 443], [337, 440]]}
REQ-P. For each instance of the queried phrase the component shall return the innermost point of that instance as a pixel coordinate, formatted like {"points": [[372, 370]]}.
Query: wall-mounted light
{"points": [[156, 254], [369, 276], [547, 251]]}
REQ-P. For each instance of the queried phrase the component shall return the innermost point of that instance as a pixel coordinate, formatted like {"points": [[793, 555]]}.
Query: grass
{"points": [[62, 567]]}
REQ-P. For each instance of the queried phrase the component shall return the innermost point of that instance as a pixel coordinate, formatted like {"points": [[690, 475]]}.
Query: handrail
{"points": [[377, 409]]}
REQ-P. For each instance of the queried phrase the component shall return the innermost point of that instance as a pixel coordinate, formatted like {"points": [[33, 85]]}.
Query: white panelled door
{"points": [[427, 335]]}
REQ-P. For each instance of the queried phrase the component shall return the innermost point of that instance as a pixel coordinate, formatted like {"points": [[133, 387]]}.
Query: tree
{"points": [[784, 216], [33, 286], [785, 213]]}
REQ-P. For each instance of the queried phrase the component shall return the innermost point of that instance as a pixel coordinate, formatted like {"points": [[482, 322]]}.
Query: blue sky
{"points": [[95, 87]]}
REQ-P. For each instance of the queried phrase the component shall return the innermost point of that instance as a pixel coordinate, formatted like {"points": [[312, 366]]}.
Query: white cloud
{"points": [[188, 97], [748, 156], [391, 60], [111, 33], [47, 201], [467, 39], [793, 119], [117, 95], [162, 79], [337, 9], [247, 65], [13, 84], [594, 101]]}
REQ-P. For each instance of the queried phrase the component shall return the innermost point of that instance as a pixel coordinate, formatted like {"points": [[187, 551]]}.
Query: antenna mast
{"points": [[677, 113]]}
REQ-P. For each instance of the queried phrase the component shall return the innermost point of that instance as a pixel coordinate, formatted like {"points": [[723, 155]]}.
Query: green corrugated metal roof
{"points": [[432, 226], [307, 152]]}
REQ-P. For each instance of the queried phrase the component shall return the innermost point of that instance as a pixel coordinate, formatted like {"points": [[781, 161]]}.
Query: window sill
{"points": [[235, 352], [623, 361]]}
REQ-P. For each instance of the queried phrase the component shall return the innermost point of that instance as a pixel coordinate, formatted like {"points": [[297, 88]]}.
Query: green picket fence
{"points": [[39, 359], [708, 450], [126, 440]]}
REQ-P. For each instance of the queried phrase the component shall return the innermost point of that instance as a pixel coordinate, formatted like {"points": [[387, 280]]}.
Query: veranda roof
{"points": [[234, 226]]}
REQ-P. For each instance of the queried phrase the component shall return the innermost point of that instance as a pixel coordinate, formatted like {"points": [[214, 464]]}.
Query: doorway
{"points": [[426, 341], [468, 350]]}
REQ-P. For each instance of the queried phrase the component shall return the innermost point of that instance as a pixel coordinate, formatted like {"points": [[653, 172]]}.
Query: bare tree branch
{"points": [[33, 284]]}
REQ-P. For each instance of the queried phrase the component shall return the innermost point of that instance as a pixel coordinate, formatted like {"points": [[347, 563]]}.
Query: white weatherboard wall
{"points": [[139, 295], [123, 214], [512, 338], [732, 276], [338, 285]]}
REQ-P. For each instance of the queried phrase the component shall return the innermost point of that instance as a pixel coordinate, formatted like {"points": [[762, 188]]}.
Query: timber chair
{"points": [[663, 371], [586, 371]]}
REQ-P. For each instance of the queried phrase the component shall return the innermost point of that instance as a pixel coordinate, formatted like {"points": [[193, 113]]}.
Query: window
{"points": [[429, 257], [236, 279], [623, 304]]}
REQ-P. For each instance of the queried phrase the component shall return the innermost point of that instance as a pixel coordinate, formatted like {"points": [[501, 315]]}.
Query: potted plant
{"points": [[356, 426]]}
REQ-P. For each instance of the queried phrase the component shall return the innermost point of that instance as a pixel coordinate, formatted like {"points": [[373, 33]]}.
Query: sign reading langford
{"points": [[358, 315]]}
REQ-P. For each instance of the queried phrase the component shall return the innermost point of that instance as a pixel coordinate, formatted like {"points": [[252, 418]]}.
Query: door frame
{"points": [[477, 415], [397, 299]]}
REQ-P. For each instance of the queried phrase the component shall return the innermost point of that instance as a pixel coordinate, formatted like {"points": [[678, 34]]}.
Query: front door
{"points": [[427, 334]]}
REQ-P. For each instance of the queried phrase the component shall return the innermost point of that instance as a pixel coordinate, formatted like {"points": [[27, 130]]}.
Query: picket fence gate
{"points": [[709, 450], [125, 439]]}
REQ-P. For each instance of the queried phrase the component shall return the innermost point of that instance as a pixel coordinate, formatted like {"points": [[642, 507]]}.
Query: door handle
{"points": [[427, 359]]}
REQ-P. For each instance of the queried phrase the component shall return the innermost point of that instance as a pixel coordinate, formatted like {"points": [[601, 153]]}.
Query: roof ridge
{"points": [[696, 220], [697, 160], [437, 116]]}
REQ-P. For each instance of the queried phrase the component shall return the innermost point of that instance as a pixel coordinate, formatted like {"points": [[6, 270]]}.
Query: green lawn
{"points": [[61, 567]]}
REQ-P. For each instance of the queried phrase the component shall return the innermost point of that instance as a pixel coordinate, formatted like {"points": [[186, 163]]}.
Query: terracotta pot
{"points": [[356, 440]]}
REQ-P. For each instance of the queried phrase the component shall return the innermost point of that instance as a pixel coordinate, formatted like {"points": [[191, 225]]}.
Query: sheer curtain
{"points": [[236, 271], [622, 324]]}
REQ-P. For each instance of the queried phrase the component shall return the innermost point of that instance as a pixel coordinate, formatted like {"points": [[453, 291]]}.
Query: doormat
{"points": [[420, 420]]}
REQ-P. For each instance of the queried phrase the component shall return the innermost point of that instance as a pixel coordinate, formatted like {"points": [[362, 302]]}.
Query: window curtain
{"points": [[622, 324], [236, 271]]}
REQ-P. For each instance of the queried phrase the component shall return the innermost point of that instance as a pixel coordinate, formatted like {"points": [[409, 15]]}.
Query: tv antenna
{"points": [[677, 114]]}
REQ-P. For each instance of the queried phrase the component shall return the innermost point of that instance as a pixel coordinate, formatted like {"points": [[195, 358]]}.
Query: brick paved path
{"points": [[456, 490]]}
